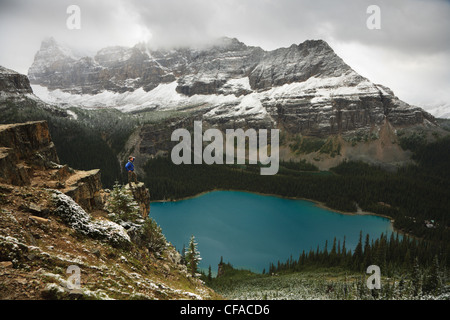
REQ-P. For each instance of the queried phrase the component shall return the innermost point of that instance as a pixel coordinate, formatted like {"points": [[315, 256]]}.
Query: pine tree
{"points": [[380, 255], [407, 260], [344, 254], [416, 278], [333, 254], [357, 254], [152, 236], [367, 254], [122, 205], [209, 274], [183, 255], [192, 256], [433, 281]]}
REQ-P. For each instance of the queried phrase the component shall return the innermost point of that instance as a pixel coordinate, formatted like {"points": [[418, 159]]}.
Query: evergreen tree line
{"points": [[418, 261], [393, 254]]}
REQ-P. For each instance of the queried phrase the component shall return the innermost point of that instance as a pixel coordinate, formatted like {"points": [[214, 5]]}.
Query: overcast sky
{"points": [[410, 53]]}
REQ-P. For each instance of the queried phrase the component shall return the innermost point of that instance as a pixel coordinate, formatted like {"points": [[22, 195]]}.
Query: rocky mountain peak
{"points": [[298, 63], [231, 44], [51, 55], [319, 43], [48, 42], [59, 51]]}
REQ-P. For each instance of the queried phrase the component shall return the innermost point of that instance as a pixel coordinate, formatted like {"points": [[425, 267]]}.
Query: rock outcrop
{"points": [[24, 148], [28, 157], [29, 141], [13, 82], [11, 171], [142, 196], [85, 188]]}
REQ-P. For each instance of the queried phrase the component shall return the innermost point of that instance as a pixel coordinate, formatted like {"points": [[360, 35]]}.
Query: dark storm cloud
{"points": [[415, 25], [413, 38]]}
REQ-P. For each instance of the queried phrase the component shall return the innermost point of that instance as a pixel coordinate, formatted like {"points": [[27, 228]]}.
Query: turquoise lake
{"points": [[250, 230]]}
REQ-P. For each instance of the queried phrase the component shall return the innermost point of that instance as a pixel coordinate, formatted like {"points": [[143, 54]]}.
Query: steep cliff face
{"points": [[298, 63], [29, 140], [13, 82], [24, 148], [11, 171], [85, 188]]}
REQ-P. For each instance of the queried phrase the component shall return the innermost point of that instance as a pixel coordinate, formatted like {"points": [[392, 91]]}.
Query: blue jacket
{"points": [[129, 166]]}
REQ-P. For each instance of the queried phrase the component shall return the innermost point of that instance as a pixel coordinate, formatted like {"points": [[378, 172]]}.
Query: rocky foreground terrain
{"points": [[53, 217]]}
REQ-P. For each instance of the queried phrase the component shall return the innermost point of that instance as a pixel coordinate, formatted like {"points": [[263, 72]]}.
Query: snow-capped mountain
{"points": [[305, 88]]}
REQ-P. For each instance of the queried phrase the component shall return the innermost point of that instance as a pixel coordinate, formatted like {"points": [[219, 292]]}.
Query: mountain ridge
{"points": [[305, 88]]}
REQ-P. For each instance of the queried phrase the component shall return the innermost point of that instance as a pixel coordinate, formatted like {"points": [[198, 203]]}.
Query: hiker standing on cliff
{"points": [[130, 168]]}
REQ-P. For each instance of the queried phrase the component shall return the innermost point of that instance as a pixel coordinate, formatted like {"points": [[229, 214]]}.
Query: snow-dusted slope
{"points": [[165, 96]]}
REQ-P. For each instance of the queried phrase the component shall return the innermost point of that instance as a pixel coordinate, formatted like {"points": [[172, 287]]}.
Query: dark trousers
{"points": [[132, 177]]}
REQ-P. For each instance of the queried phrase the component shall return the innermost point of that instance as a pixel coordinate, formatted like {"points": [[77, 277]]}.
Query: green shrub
{"points": [[152, 236]]}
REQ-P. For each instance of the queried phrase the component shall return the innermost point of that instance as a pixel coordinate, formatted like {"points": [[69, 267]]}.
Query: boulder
{"points": [[78, 219]]}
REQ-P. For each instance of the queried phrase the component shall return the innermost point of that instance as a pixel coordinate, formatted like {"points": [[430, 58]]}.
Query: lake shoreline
{"points": [[300, 221], [317, 203]]}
